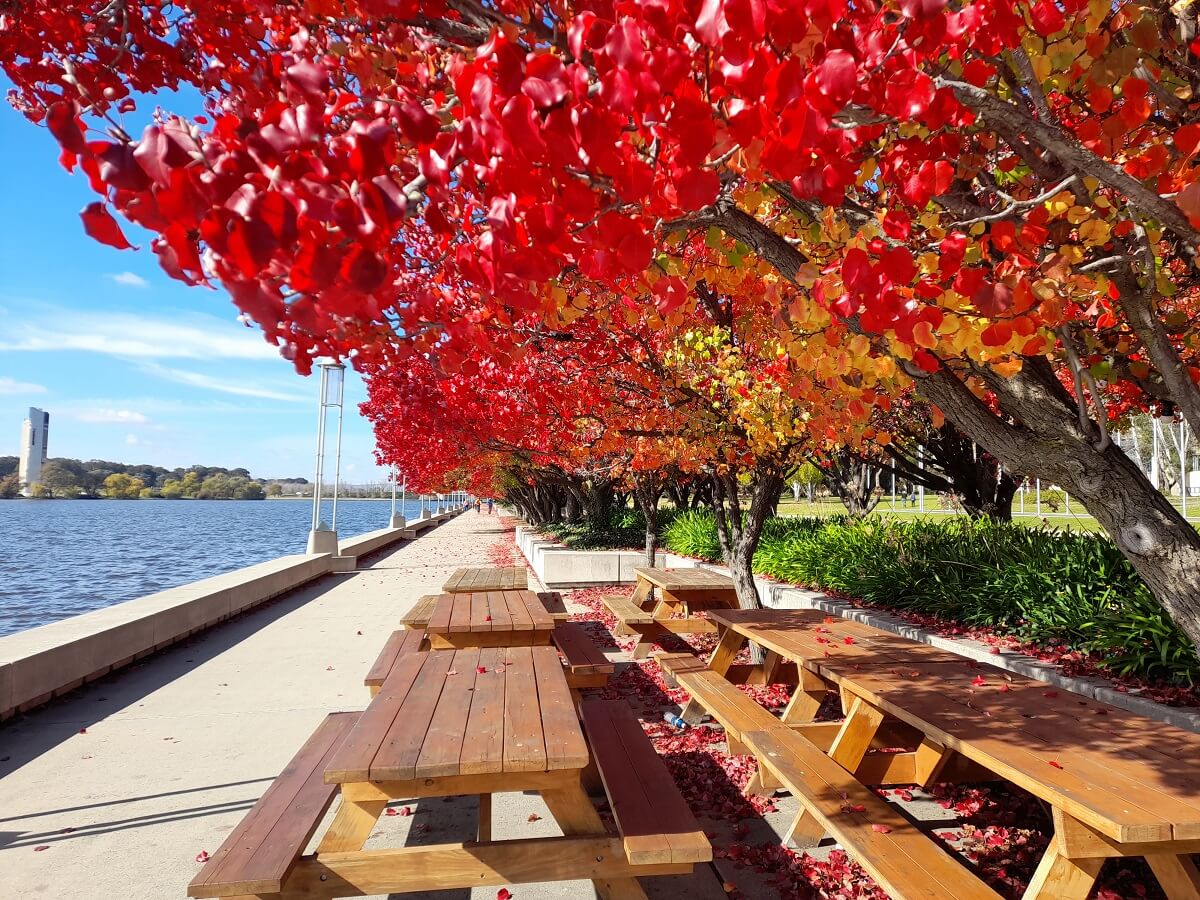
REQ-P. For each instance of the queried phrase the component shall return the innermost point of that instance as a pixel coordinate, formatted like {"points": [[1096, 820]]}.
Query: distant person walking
{"points": [[491, 507], [478, 506]]}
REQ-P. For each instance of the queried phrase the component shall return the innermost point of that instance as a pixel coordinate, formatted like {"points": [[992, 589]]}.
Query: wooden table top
{"points": [[681, 580], [487, 578], [488, 611], [438, 716], [1130, 777]]}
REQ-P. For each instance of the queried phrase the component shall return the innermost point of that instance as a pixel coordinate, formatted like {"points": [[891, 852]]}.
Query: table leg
{"points": [[352, 825], [848, 749], [722, 658], [1061, 878], [485, 818], [575, 815], [641, 592], [807, 698], [1177, 875]]}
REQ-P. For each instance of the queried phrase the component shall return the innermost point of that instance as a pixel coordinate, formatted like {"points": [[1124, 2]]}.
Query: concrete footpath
{"points": [[112, 791]]}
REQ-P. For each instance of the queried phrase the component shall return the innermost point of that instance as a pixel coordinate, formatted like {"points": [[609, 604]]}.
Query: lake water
{"points": [[64, 557]]}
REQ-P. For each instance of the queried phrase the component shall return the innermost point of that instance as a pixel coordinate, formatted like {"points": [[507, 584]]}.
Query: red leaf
{"points": [[63, 121], [993, 298], [1187, 138], [534, 817], [40, 847], [897, 224], [898, 264], [202, 856], [697, 188], [978, 680], [997, 334], [481, 670], [847, 640], [921, 9], [837, 76], [1055, 764], [908, 93], [711, 24], [102, 227], [882, 829], [1047, 18], [504, 894]]}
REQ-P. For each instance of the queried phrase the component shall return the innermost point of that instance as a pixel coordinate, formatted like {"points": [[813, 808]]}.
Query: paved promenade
{"points": [[111, 792]]}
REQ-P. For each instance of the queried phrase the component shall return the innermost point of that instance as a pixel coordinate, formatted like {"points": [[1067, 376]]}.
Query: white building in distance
{"points": [[34, 434]]}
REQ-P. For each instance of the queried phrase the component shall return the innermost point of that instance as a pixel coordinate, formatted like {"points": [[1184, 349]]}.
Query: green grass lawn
{"points": [[1077, 519]]}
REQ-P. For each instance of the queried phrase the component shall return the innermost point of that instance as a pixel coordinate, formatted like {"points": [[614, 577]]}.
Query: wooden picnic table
{"points": [[489, 619], [476, 721], [683, 589], [680, 594], [487, 578], [1119, 784]]}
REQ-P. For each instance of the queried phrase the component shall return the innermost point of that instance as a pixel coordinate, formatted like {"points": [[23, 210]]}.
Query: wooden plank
{"points": [[580, 651], [538, 614], [445, 736], [632, 809], [451, 585], [565, 746], [524, 740], [352, 761], [468, 865], [439, 621], [518, 612], [483, 747], [906, 863], [258, 854], [736, 712], [498, 610], [397, 757], [481, 616], [460, 614], [419, 613]]}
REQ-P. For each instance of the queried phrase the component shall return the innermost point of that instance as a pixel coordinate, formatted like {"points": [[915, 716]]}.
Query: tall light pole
{"points": [[322, 538], [398, 519]]}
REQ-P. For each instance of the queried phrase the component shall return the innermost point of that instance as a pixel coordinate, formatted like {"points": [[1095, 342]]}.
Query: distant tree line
{"points": [[73, 478]]}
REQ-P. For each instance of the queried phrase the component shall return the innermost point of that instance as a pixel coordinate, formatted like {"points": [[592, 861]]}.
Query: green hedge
{"points": [[1040, 584]]}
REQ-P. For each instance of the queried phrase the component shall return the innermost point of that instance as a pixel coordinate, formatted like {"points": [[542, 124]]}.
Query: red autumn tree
{"points": [[983, 196]]}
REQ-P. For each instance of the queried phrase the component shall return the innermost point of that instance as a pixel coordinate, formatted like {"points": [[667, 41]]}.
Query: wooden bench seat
{"points": [[401, 642], [586, 666], [736, 712], [654, 821], [905, 862], [261, 851], [418, 615], [626, 611]]}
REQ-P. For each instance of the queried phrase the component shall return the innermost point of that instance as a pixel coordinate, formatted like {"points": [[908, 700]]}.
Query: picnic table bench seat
{"points": [[626, 611], [257, 856], [418, 615], [586, 665], [654, 820], [402, 641], [905, 862]]}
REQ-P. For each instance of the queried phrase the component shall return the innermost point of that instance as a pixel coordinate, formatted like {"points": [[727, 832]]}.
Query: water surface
{"points": [[59, 558]]}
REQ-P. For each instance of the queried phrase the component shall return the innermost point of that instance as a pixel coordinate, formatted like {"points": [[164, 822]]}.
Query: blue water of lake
{"points": [[59, 558]]}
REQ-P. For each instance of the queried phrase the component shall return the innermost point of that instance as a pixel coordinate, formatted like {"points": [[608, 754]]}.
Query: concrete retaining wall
{"points": [[45, 662], [558, 567]]}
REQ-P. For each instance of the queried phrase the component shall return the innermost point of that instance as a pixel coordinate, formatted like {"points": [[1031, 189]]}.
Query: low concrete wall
{"points": [[45, 662], [558, 567]]}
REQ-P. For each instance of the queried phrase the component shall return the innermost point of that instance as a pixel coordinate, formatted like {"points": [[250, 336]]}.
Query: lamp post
{"points": [[398, 520], [322, 538]]}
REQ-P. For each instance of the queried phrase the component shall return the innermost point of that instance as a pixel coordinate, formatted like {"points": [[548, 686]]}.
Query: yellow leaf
{"points": [[1077, 214], [1094, 231]]}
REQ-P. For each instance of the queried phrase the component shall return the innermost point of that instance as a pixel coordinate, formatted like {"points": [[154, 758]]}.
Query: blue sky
{"points": [[132, 365]]}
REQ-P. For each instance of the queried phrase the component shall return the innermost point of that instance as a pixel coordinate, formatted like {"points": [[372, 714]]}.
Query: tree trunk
{"points": [[1050, 443], [648, 488], [739, 533], [852, 479]]}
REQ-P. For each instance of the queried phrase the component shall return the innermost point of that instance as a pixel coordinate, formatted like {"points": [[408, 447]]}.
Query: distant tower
{"points": [[34, 434]]}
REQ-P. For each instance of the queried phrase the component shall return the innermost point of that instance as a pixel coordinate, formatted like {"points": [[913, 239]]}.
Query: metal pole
{"points": [[393, 491], [921, 466], [1183, 475], [1024, 484], [893, 487], [337, 464], [1039, 498], [316, 516]]}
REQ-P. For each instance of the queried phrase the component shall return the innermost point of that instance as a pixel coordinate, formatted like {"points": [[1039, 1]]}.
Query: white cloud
{"points": [[106, 416], [132, 440], [221, 385], [133, 336], [129, 279], [9, 386]]}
